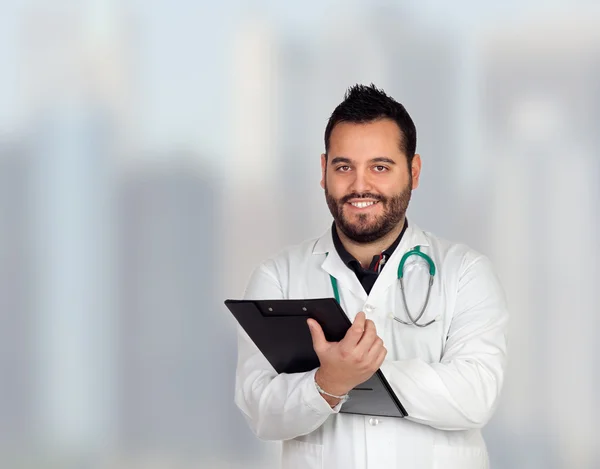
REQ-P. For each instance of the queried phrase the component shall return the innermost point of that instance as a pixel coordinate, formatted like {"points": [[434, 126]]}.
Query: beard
{"points": [[368, 228]]}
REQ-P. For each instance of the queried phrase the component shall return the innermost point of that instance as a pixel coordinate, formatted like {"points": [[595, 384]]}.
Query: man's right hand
{"points": [[351, 361]]}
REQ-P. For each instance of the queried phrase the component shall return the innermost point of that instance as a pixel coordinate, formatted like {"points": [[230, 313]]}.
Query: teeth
{"points": [[362, 204]]}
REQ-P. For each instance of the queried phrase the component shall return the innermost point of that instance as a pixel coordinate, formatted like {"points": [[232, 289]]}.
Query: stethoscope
{"points": [[416, 251]]}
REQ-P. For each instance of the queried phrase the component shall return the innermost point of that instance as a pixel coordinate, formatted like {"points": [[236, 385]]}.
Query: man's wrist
{"points": [[332, 394], [329, 385]]}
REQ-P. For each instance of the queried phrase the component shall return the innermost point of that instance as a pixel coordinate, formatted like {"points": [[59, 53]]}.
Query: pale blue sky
{"points": [[180, 75]]}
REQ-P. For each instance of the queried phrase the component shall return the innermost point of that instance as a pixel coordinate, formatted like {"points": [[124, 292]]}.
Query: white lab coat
{"points": [[447, 375]]}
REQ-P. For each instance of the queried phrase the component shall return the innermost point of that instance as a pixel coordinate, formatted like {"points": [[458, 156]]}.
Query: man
{"points": [[445, 364]]}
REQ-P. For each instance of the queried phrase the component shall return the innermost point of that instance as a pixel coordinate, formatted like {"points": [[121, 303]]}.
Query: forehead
{"points": [[378, 138]]}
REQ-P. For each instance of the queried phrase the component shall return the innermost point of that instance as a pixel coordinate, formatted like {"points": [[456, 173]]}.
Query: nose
{"points": [[361, 182]]}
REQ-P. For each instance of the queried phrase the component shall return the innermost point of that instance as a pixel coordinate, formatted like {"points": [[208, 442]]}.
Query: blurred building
{"points": [[176, 360], [17, 338], [253, 198], [299, 141], [72, 249], [71, 96], [539, 125]]}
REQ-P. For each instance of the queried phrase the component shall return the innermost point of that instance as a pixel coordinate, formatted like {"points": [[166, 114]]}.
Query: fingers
{"points": [[355, 332], [360, 351], [318, 337], [359, 321], [375, 350], [362, 345], [368, 336], [366, 341], [371, 361], [381, 357]]}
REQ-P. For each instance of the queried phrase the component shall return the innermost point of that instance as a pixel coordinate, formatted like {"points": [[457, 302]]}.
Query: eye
{"points": [[380, 168], [343, 168]]}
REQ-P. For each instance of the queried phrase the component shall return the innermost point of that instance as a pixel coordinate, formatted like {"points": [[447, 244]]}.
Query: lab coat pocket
{"points": [[452, 457], [301, 455]]}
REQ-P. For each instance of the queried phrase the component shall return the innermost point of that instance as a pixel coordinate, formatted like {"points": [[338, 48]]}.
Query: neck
{"points": [[364, 252]]}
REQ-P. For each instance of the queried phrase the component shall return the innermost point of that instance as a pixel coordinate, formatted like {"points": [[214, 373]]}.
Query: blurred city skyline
{"points": [[150, 158]]}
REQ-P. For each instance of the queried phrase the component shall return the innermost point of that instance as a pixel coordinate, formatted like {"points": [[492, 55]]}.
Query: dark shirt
{"points": [[368, 276]]}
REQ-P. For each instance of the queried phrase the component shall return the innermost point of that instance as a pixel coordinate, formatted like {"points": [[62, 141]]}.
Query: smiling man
{"points": [[427, 312]]}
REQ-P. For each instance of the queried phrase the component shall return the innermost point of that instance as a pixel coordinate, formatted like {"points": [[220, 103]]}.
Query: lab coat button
{"points": [[369, 308], [373, 422]]}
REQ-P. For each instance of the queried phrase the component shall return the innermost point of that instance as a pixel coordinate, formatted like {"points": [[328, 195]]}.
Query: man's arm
{"points": [[461, 391], [276, 406]]}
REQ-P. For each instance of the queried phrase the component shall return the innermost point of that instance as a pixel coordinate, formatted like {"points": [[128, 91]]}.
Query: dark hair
{"points": [[363, 104]]}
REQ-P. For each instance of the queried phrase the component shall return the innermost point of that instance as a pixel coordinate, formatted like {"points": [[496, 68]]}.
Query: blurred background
{"points": [[153, 153]]}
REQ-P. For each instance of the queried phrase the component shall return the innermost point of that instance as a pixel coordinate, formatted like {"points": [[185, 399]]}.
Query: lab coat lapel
{"points": [[333, 265]]}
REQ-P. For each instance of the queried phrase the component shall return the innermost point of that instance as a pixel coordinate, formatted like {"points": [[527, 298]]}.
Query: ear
{"points": [[416, 170], [323, 169]]}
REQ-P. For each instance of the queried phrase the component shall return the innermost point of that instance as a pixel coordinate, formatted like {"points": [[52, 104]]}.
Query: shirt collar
{"points": [[349, 259]]}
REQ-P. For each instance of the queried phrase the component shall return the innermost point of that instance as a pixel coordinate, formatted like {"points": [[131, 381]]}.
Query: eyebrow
{"points": [[382, 159], [378, 159], [340, 159]]}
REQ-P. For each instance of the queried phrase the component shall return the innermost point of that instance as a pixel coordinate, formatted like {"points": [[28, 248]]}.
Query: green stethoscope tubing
{"points": [[416, 251]]}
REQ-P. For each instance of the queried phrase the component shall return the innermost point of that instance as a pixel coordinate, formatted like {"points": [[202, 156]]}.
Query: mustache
{"points": [[364, 195]]}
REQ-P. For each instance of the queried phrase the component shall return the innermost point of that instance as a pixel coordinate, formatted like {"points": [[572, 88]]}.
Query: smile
{"points": [[363, 204]]}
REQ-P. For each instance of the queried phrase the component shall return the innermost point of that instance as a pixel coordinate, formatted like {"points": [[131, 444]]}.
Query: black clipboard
{"points": [[279, 330]]}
